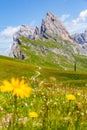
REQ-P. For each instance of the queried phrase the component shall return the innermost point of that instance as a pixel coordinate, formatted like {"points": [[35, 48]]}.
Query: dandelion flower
{"points": [[70, 97], [17, 87], [33, 114]]}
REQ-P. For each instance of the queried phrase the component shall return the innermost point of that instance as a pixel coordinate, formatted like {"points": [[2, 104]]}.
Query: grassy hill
{"points": [[10, 67]]}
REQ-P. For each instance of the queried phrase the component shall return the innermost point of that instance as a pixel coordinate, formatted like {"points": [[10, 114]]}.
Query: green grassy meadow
{"points": [[50, 87]]}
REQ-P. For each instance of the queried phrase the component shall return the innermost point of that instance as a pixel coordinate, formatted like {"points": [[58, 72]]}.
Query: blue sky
{"points": [[13, 13]]}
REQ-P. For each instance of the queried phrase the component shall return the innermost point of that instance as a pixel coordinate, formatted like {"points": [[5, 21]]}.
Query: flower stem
{"points": [[15, 112]]}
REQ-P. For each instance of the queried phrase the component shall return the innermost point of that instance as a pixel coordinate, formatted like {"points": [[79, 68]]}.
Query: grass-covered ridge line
{"points": [[40, 42], [60, 44], [50, 59], [42, 53], [39, 52]]}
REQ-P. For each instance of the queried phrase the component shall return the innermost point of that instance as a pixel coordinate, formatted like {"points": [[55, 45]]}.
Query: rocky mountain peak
{"points": [[24, 31], [51, 17], [52, 26]]}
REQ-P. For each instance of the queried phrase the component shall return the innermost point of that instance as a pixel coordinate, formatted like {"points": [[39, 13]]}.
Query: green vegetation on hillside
{"points": [[41, 53], [52, 54], [10, 67]]}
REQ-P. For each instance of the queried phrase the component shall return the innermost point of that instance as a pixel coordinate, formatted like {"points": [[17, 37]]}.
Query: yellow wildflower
{"points": [[23, 77], [42, 93], [33, 114], [78, 93], [7, 87], [17, 87], [70, 97], [55, 103]]}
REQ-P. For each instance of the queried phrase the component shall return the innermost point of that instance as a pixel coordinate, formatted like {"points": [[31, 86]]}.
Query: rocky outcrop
{"points": [[24, 31], [16, 52], [80, 38], [52, 27]]}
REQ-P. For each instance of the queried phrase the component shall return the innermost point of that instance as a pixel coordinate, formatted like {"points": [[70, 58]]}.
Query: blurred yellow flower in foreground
{"points": [[17, 87], [33, 114], [70, 97]]}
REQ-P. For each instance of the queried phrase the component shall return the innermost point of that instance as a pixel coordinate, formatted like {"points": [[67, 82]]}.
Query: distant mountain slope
{"points": [[80, 38]]}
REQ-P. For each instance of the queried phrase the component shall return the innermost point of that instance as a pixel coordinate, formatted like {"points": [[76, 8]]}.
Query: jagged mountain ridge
{"points": [[80, 38], [52, 25], [51, 28], [50, 43]]}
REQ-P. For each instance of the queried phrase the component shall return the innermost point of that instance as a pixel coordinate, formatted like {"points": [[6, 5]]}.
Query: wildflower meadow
{"points": [[32, 104]]}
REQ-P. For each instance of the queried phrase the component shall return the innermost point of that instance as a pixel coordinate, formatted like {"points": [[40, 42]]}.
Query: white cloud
{"points": [[9, 31], [83, 14], [64, 17], [6, 39], [79, 24], [75, 28], [81, 18]]}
